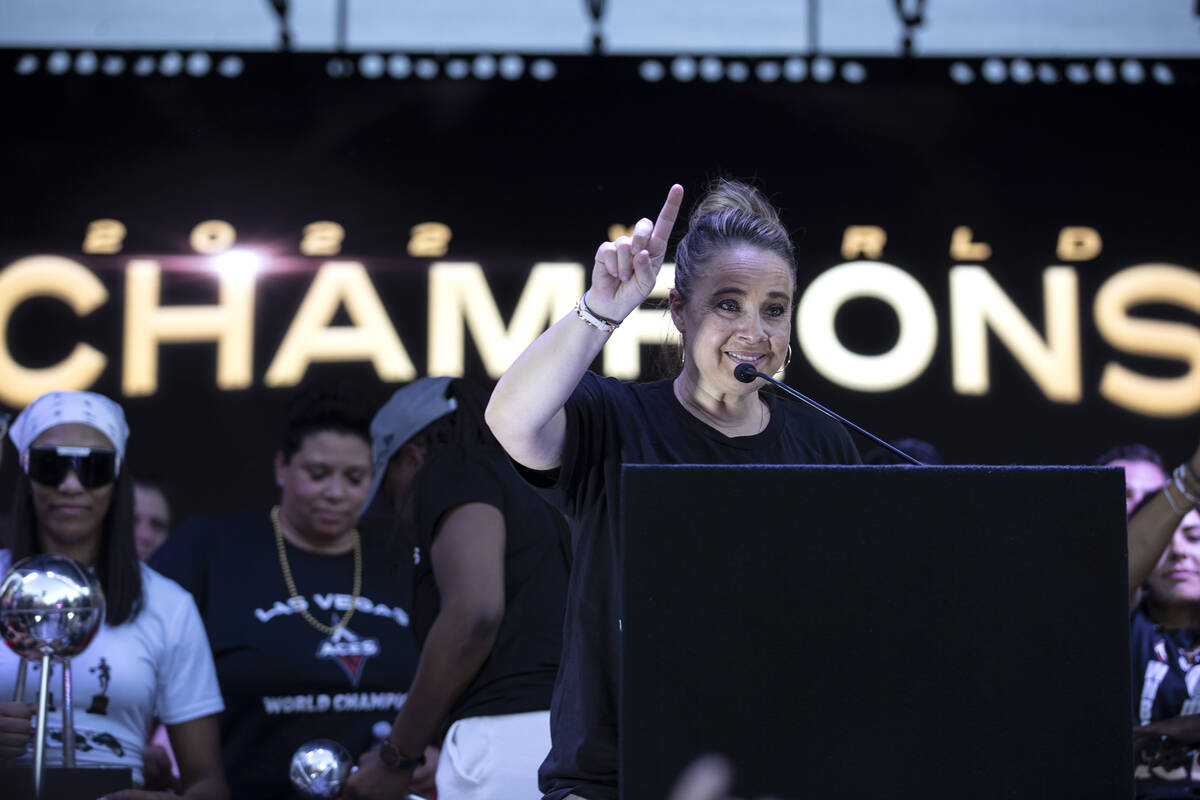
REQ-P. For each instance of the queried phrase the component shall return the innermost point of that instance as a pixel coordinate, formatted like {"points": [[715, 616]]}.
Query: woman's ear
{"points": [[413, 455], [675, 303]]}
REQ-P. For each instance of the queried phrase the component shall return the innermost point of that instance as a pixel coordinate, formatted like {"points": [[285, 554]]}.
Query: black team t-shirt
{"points": [[518, 675], [283, 681], [611, 423]]}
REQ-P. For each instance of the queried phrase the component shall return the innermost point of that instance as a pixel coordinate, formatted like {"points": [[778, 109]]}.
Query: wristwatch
{"points": [[391, 756]]}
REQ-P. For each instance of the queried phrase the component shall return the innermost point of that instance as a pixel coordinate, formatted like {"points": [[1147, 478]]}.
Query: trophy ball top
{"points": [[320, 768], [49, 605]]}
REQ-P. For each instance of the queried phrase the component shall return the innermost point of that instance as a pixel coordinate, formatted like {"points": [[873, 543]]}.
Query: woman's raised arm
{"points": [[526, 409]]}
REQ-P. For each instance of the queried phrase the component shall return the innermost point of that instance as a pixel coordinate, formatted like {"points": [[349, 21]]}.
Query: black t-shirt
{"points": [[1165, 669], [611, 423], [283, 681], [518, 675]]}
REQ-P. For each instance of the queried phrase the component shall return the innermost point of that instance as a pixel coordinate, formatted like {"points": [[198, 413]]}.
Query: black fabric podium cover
{"points": [[889, 632]]}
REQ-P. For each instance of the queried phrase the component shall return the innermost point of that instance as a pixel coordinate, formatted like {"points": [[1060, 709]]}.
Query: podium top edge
{"points": [[876, 467]]}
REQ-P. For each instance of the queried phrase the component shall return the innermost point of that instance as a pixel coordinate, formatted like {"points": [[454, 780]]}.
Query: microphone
{"points": [[746, 374]]}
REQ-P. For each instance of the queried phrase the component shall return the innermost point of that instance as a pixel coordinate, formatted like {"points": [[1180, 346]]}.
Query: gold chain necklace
{"points": [[291, 584]]}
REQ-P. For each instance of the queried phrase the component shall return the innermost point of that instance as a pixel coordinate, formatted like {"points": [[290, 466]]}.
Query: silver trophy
{"points": [[320, 769], [50, 608]]}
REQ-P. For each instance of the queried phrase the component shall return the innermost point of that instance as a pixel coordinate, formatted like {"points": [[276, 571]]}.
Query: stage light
{"points": [[230, 67], [86, 63], [994, 71], [237, 264], [543, 69], [961, 72], [1078, 73], [144, 66], [1132, 71], [768, 71], [198, 64], [58, 62], [371, 66], [1021, 71], [171, 64], [457, 69], [711, 69], [1163, 74], [823, 69], [112, 65], [426, 69], [684, 69], [651, 70], [795, 69], [399, 66], [339, 67], [484, 67], [1047, 73], [853, 72], [511, 67], [27, 64], [1105, 71], [737, 71]]}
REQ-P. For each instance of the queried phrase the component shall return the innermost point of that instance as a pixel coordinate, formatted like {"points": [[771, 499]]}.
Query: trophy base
{"points": [[77, 783]]}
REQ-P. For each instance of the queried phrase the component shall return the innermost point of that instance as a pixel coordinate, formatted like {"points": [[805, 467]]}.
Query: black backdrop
{"points": [[527, 171]]}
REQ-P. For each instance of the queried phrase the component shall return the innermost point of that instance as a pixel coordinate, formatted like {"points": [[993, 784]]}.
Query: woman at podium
{"points": [[570, 430]]}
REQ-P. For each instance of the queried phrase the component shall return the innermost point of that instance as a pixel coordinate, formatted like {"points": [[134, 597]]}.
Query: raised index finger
{"points": [[666, 220]]}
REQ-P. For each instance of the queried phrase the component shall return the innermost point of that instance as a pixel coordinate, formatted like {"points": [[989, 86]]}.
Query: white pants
{"points": [[494, 758]]}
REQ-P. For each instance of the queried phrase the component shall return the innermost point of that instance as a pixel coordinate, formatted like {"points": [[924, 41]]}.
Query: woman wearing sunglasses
{"points": [[150, 658]]}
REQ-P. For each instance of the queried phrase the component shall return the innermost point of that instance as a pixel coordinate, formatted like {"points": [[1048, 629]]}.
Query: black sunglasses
{"points": [[49, 465]]}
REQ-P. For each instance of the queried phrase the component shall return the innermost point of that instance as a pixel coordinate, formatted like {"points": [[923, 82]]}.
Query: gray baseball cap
{"points": [[406, 413]]}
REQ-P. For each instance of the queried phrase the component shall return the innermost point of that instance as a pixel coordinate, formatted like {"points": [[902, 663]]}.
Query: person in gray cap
{"points": [[490, 579]]}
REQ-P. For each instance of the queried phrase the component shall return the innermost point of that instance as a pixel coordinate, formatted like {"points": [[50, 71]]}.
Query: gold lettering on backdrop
{"points": [[818, 339], [617, 230], [977, 304], [863, 240], [964, 248], [1138, 285], [1078, 243], [75, 285], [623, 351], [429, 240], [322, 239], [212, 236], [229, 323], [459, 297], [311, 338], [104, 237]]}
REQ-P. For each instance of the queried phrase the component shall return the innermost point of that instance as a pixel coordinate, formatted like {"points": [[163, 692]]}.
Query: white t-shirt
{"points": [[158, 664]]}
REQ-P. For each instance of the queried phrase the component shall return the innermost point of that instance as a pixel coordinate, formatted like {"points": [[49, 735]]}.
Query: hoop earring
{"points": [[786, 360]]}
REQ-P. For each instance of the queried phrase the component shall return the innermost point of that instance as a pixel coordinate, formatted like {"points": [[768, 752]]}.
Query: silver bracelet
{"points": [[1167, 494], [591, 318], [1180, 476]]}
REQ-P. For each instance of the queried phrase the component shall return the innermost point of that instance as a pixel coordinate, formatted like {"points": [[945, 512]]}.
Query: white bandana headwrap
{"points": [[60, 408]]}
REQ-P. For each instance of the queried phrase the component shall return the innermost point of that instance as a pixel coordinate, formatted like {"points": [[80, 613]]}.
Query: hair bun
{"points": [[725, 195]]}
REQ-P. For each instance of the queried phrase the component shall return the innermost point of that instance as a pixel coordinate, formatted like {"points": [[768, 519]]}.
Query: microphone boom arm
{"points": [[746, 373]]}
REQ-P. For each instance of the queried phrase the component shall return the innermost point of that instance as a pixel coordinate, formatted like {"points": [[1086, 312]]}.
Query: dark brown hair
{"points": [[117, 565]]}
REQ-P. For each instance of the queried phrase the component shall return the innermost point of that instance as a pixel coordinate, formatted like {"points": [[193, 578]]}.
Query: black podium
{"points": [[877, 632]]}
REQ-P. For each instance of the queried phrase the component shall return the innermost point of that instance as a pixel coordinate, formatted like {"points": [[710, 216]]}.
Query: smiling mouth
{"points": [[745, 358]]}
